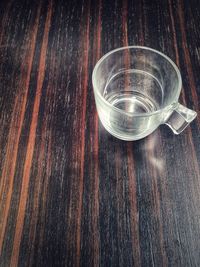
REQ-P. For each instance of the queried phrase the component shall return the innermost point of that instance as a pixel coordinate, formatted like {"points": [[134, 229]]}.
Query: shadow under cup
{"points": [[136, 89]]}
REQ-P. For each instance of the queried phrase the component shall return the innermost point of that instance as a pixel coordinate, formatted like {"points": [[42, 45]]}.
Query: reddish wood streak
{"points": [[83, 86], [133, 204], [40, 192], [141, 34], [30, 146], [154, 142], [175, 46], [131, 172], [173, 33], [124, 23]]}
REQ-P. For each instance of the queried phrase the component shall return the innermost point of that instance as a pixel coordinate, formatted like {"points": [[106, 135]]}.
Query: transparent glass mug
{"points": [[136, 89]]}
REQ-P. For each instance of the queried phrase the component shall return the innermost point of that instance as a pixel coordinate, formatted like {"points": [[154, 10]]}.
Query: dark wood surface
{"points": [[70, 193]]}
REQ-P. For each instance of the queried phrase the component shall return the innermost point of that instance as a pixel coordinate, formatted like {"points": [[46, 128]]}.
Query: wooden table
{"points": [[70, 193]]}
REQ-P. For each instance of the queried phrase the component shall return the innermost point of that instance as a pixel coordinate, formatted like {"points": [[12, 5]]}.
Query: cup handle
{"points": [[180, 118]]}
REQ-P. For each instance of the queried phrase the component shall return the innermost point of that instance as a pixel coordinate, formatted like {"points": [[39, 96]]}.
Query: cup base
{"points": [[126, 137]]}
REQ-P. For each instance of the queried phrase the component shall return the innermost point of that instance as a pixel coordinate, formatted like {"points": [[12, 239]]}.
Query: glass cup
{"points": [[136, 89]]}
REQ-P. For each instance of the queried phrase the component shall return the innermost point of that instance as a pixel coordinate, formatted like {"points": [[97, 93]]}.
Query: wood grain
{"points": [[70, 193]]}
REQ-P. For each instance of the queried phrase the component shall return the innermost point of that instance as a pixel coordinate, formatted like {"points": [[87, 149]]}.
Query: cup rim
{"points": [[130, 113]]}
